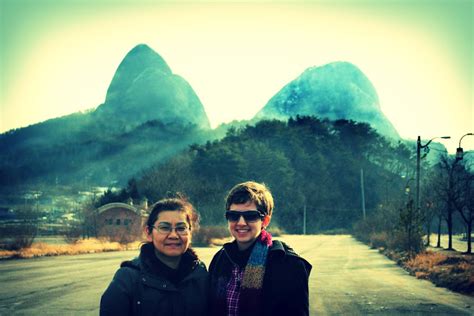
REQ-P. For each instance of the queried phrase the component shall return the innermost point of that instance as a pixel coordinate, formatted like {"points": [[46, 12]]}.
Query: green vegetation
{"points": [[89, 150], [313, 167], [307, 162]]}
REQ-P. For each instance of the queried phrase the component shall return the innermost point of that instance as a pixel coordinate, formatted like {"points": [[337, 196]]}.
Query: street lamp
{"points": [[407, 187], [418, 149], [459, 151], [408, 192]]}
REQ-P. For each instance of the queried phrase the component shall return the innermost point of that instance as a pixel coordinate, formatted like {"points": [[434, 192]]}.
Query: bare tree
{"points": [[465, 203], [447, 185], [432, 207], [440, 218], [22, 232], [85, 224]]}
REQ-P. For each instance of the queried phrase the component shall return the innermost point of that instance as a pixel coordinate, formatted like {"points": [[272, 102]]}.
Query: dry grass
{"points": [[91, 245], [425, 261], [7, 253], [422, 275], [451, 270]]}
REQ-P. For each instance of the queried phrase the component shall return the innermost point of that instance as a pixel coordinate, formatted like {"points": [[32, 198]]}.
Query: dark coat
{"points": [[137, 289], [285, 284]]}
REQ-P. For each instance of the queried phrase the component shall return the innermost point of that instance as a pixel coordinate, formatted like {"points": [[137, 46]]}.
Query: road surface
{"points": [[348, 278]]}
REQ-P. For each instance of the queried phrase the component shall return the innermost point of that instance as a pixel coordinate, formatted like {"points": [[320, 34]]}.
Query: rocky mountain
{"points": [[144, 88], [337, 90], [149, 115]]}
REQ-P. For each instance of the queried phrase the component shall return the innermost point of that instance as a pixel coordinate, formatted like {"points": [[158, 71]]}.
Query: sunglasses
{"points": [[249, 216]]}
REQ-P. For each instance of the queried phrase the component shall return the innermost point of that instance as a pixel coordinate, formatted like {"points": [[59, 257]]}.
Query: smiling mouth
{"points": [[242, 231]]}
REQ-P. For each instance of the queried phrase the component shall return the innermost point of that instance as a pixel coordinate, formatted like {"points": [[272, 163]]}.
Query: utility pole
{"points": [[418, 148], [362, 192], [304, 219]]}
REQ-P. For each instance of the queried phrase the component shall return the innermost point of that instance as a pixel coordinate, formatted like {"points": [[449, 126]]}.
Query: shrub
{"points": [[209, 235], [275, 231], [362, 230], [18, 236], [403, 241], [408, 234], [379, 240], [73, 234]]}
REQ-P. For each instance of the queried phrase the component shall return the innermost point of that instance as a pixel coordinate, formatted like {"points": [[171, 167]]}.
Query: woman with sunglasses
{"points": [[167, 278], [254, 274]]}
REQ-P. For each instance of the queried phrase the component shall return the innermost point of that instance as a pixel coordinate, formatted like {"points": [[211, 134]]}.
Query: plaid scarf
{"points": [[249, 298]]}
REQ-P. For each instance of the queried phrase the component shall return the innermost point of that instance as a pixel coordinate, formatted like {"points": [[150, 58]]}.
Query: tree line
{"points": [[310, 164], [313, 166], [446, 206]]}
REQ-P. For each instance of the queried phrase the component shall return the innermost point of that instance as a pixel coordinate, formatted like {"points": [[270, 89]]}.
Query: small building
{"points": [[121, 222]]}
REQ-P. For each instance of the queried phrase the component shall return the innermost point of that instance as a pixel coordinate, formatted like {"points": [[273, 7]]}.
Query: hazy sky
{"points": [[58, 57]]}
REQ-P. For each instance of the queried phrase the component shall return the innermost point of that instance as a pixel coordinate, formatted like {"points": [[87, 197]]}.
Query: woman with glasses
{"points": [[254, 274], [167, 278]]}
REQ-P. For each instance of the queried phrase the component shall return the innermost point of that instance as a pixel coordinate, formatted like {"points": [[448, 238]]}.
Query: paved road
{"points": [[348, 279], [351, 279]]}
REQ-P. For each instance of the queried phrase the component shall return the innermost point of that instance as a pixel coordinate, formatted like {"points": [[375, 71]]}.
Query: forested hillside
{"points": [[90, 152], [307, 162]]}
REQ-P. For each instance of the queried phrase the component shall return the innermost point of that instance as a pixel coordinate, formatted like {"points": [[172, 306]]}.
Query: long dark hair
{"points": [[178, 203]]}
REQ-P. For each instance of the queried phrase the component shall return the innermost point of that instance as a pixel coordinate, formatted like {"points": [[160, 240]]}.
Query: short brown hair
{"points": [[251, 191]]}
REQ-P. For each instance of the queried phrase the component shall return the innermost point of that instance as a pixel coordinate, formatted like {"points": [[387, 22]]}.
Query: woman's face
{"points": [[245, 233], [170, 234]]}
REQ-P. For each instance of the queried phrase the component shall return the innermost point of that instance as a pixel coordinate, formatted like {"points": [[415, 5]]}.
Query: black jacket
{"points": [[139, 288], [285, 284]]}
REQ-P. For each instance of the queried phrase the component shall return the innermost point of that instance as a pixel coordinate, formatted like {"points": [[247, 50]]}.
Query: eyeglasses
{"points": [[249, 216], [167, 229]]}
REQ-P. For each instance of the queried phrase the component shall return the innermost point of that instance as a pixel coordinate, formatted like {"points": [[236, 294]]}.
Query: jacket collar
{"points": [[147, 250], [278, 249]]}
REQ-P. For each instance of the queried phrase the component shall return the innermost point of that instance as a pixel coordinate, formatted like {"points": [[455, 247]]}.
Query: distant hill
{"points": [[337, 90], [149, 114]]}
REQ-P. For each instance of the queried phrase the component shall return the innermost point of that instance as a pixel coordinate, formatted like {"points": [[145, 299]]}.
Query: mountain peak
{"points": [[138, 60], [144, 88], [144, 56], [343, 74], [142, 47], [338, 90]]}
